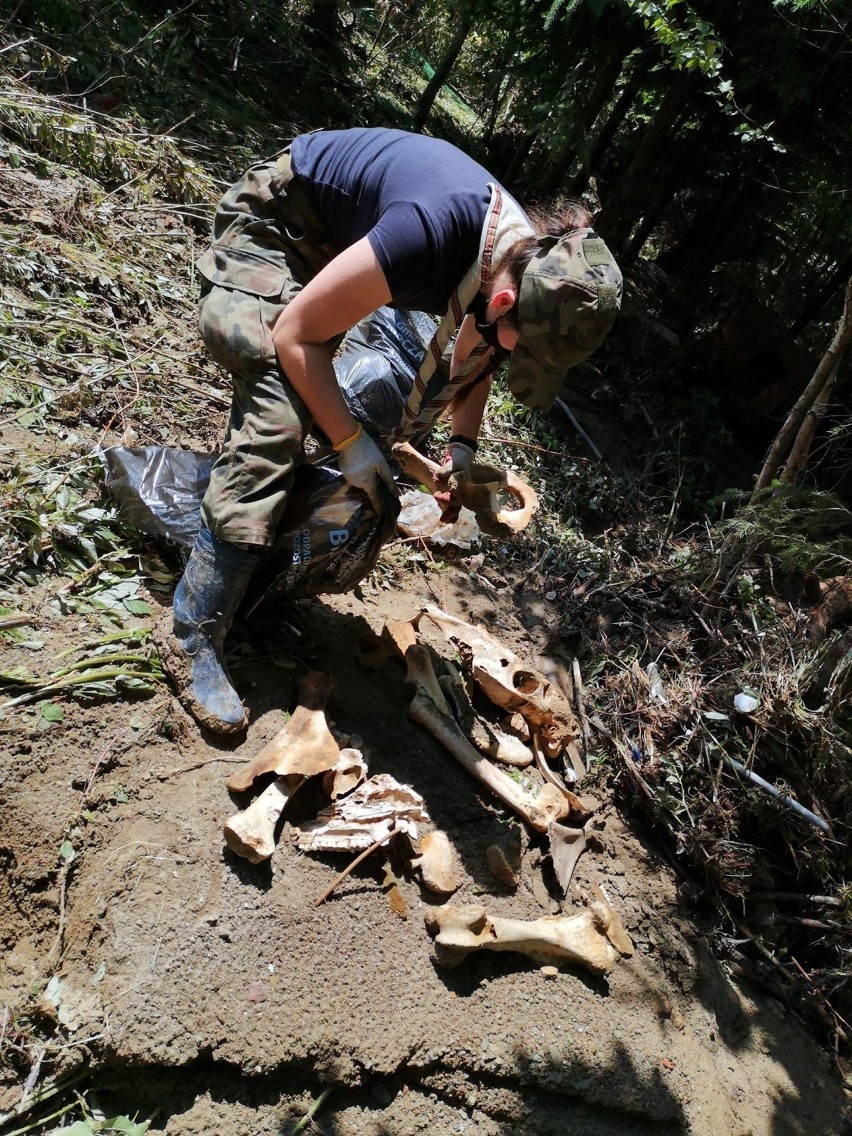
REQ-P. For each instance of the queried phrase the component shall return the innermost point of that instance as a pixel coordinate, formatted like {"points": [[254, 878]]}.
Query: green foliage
{"points": [[805, 529]]}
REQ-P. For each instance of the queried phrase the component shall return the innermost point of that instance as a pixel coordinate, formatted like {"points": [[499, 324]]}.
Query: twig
{"points": [[796, 897], [195, 765], [77, 680], [535, 449], [312, 1111], [361, 856], [580, 707]]}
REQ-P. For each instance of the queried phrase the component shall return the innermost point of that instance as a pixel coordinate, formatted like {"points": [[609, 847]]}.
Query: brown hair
{"points": [[557, 221]]}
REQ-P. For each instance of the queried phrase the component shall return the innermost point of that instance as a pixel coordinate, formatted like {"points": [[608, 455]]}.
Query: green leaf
{"points": [[138, 607], [66, 851], [126, 1125], [51, 712]]}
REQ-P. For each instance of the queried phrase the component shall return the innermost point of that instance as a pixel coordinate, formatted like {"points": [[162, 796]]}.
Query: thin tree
{"points": [[795, 435]]}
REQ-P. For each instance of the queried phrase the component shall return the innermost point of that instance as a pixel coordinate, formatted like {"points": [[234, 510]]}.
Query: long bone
{"points": [[595, 938], [481, 488], [429, 709]]}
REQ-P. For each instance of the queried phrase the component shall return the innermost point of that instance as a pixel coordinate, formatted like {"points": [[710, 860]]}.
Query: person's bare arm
{"points": [[468, 410], [349, 288]]}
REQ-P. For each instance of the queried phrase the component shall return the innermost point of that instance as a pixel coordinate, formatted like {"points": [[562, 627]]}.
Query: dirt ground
{"points": [[213, 994]]}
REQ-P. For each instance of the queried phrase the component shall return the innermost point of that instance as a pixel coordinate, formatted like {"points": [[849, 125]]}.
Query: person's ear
{"points": [[502, 301]]}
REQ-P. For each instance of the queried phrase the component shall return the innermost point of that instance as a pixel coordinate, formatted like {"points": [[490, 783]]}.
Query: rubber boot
{"points": [[207, 596]]}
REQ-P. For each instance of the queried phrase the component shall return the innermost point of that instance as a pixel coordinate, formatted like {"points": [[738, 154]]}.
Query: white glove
{"points": [[362, 464]]}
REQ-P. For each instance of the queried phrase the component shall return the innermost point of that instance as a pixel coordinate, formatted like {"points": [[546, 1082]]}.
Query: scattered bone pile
{"points": [[538, 729]]}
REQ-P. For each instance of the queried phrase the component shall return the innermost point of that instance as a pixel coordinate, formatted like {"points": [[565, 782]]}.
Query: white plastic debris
{"points": [[420, 515], [658, 691], [745, 703]]}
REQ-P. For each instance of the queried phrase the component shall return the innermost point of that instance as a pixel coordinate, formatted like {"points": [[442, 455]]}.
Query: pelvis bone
{"points": [[595, 938], [502, 503]]}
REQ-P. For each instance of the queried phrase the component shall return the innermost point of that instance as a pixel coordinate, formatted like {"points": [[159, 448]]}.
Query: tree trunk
{"points": [[616, 217], [442, 73], [606, 133], [823, 375], [601, 94]]}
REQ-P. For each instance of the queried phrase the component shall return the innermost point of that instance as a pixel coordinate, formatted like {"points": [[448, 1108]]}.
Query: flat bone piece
{"points": [[251, 833], [499, 866], [566, 847], [481, 488], [305, 745], [429, 709], [350, 771], [580, 938], [437, 863]]}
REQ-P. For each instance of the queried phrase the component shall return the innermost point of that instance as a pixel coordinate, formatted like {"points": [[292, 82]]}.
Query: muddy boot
{"points": [[209, 592]]}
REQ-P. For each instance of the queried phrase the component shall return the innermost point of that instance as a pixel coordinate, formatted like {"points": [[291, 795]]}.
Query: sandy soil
{"points": [[214, 994]]}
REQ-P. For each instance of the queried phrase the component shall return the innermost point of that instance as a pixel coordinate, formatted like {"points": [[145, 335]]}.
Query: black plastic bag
{"points": [[378, 362], [329, 537]]}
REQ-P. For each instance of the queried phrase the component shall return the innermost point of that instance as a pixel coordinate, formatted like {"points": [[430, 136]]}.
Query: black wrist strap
{"points": [[464, 441]]}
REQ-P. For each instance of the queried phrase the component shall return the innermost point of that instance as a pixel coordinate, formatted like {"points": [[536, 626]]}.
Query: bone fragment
{"points": [[437, 863], [515, 724], [608, 916], [350, 771], [305, 745], [499, 866], [429, 709], [251, 833], [364, 817], [566, 847], [502, 503], [582, 938]]}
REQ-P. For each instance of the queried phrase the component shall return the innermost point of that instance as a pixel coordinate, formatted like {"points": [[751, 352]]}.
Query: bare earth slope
{"points": [[221, 994]]}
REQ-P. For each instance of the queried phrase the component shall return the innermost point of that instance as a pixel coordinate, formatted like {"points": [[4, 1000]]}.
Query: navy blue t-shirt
{"points": [[420, 201]]}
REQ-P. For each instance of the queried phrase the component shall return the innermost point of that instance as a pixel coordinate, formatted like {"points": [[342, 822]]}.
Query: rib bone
{"points": [[585, 938]]}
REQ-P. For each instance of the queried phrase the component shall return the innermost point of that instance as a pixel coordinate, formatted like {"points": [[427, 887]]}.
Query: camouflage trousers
{"points": [[266, 247]]}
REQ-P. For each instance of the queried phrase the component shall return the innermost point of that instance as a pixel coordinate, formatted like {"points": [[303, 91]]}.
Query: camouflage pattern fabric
{"points": [[570, 295], [264, 250]]}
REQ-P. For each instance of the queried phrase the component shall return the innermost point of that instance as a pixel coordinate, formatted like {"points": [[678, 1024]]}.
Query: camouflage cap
{"points": [[569, 298]]}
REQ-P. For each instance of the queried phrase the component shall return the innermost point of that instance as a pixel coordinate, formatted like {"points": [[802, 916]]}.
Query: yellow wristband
{"points": [[352, 438]]}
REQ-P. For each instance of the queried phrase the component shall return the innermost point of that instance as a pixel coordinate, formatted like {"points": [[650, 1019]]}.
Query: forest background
{"points": [[713, 142]]}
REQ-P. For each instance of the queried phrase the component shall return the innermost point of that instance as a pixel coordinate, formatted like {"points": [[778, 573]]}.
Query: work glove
{"points": [[362, 464], [459, 456]]}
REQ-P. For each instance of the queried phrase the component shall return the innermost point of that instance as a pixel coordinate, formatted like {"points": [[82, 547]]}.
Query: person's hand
{"points": [[458, 458], [362, 464]]}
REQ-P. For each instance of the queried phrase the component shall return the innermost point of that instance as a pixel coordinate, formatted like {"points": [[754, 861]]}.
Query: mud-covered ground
{"points": [[216, 996]]}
